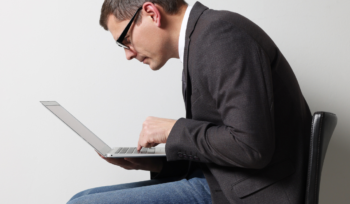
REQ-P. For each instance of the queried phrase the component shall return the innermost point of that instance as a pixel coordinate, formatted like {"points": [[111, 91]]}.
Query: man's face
{"points": [[146, 40]]}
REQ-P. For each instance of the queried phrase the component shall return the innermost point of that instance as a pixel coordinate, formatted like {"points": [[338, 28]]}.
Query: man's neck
{"points": [[173, 28]]}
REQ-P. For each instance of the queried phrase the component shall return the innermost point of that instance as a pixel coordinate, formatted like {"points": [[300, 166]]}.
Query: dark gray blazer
{"points": [[247, 124]]}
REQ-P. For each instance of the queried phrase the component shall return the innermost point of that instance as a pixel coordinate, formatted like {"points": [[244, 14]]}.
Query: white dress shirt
{"points": [[182, 37]]}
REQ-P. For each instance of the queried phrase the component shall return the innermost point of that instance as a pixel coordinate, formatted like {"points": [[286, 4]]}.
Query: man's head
{"points": [[153, 36]]}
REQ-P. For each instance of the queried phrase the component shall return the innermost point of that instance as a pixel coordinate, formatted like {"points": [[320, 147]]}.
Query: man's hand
{"points": [[155, 131], [153, 164]]}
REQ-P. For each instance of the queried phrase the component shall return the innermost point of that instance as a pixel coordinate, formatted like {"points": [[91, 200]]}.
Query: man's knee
{"points": [[74, 199]]}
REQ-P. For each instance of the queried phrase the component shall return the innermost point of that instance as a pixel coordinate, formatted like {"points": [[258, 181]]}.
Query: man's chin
{"points": [[155, 66]]}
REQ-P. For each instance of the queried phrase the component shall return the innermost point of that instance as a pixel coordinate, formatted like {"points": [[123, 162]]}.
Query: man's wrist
{"points": [[169, 131]]}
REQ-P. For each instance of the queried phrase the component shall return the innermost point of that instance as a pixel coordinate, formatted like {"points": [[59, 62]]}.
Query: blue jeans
{"points": [[195, 189]]}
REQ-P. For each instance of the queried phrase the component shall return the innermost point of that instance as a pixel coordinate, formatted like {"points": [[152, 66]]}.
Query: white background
{"points": [[56, 50]]}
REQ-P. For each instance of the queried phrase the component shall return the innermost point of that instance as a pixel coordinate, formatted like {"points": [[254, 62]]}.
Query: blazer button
{"points": [[190, 157], [180, 154], [185, 156]]}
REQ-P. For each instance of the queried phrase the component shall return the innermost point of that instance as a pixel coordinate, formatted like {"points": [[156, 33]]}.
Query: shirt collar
{"points": [[182, 37]]}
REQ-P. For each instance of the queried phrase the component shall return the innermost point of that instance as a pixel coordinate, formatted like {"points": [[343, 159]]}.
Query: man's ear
{"points": [[151, 11]]}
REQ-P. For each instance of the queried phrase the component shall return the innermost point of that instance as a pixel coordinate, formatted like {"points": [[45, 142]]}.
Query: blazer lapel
{"points": [[196, 12]]}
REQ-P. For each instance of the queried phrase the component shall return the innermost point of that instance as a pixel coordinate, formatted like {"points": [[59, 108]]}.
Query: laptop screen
{"points": [[77, 126]]}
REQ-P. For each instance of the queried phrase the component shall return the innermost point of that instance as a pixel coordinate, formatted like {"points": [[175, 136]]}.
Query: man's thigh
{"points": [[104, 189], [194, 190]]}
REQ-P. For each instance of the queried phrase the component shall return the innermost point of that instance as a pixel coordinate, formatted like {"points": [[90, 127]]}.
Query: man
{"points": [[247, 123]]}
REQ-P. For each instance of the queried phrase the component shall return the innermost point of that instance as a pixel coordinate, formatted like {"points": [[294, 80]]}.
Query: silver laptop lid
{"points": [[77, 126]]}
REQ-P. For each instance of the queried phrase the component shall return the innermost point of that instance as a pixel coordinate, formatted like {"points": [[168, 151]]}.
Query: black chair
{"points": [[323, 125]]}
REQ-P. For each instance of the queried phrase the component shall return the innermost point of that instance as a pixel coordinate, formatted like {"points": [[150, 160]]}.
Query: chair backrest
{"points": [[323, 125]]}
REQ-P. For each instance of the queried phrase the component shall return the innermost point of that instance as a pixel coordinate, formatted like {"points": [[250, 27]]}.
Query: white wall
{"points": [[56, 50]]}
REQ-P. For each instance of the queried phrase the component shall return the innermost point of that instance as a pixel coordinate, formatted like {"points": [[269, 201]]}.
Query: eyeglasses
{"points": [[122, 36]]}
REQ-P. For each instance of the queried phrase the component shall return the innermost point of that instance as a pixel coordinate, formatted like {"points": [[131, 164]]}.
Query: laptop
{"points": [[96, 142]]}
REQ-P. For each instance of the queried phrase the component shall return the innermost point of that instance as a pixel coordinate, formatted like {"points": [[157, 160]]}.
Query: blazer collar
{"points": [[196, 12]]}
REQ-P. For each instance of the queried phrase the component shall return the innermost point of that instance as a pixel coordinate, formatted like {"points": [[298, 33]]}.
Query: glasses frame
{"points": [[125, 31]]}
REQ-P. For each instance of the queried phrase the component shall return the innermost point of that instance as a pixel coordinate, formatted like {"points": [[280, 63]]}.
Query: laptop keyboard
{"points": [[133, 150]]}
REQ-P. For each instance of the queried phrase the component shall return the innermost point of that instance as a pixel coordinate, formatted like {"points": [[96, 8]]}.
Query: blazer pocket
{"points": [[264, 178]]}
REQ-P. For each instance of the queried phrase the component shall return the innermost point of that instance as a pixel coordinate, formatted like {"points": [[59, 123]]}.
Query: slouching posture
{"points": [[247, 123]]}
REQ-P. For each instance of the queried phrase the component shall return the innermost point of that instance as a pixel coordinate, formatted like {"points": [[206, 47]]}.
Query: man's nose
{"points": [[130, 54]]}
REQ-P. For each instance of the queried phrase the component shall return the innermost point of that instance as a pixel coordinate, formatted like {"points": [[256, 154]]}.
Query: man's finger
{"points": [[138, 143], [139, 147], [142, 143], [154, 144]]}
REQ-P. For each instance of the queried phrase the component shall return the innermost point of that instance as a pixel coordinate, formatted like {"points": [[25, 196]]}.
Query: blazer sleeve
{"points": [[236, 73]]}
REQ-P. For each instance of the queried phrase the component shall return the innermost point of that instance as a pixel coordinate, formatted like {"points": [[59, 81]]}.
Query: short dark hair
{"points": [[125, 9]]}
